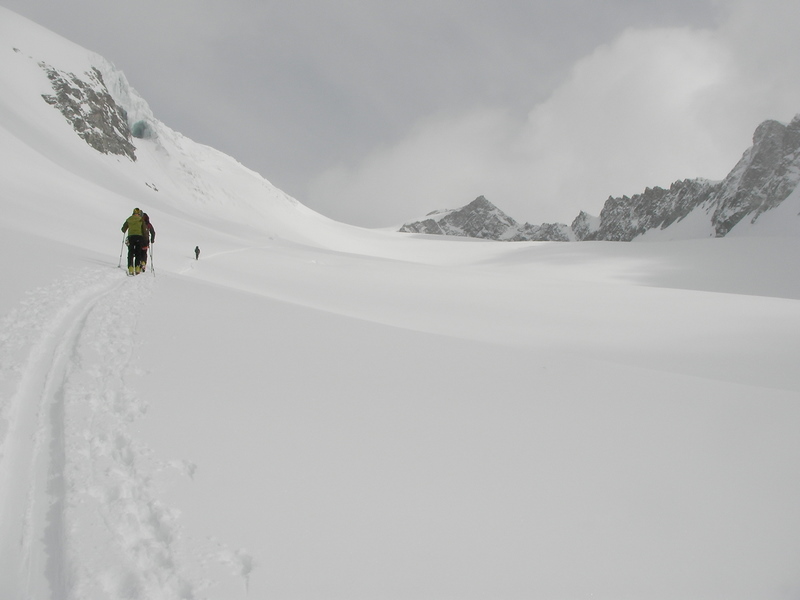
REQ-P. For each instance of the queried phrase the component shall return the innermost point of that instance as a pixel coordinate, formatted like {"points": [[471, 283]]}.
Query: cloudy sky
{"points": [[376, 112]]}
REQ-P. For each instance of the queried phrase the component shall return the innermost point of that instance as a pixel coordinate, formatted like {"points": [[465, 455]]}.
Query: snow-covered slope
{"points": [[312, 410], [190, 184]]}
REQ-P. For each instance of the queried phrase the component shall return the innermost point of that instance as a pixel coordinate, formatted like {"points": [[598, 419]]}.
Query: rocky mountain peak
{"points": [[481, 204], [766, 174], [480, 219]]}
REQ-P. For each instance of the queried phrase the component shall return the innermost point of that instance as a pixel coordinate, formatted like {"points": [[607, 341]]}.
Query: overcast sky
{"points": [[377, 112]]}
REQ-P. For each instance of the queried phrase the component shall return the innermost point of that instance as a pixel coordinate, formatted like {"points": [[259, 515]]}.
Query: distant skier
{"points": [[196, 252], [135, 227], [149, 238]]}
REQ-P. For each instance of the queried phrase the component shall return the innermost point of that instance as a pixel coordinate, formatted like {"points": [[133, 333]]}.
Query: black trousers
{"points": [[135, 243]]}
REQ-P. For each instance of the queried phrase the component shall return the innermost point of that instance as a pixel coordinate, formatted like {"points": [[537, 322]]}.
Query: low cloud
{"points": [[651, 107]]}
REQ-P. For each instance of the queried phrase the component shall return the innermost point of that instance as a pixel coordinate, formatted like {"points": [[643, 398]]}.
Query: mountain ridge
{"points": [[766, 175]]}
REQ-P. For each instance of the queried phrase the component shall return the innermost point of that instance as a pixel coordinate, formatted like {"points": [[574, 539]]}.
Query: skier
{"points": [[149, 238], [135, 227], [196, 252]]}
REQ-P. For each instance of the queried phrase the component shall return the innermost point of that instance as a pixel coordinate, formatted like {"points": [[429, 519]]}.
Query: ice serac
{"points": [[766, 175]]}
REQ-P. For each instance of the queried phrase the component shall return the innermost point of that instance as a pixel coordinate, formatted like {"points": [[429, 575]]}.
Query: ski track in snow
{"points": [[76, 487]]}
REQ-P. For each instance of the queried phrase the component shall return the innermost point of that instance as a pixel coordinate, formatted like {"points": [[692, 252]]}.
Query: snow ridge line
{"points": [[67, 352]]}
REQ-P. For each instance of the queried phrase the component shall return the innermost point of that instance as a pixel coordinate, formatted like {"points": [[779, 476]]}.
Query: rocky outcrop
{"points": [[623, 219], [91, 111], [546, 232], [584, 225], [764, 177]]}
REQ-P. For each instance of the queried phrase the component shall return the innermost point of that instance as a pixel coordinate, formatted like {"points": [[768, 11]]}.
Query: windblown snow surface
{"points": [[317, 411]]}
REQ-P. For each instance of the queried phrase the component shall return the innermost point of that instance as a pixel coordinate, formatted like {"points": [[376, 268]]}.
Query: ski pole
{"points": [[152, 264], [119, 266]]}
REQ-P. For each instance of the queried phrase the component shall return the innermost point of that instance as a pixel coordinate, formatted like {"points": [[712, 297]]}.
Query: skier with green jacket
{"points": [[135, 227]]}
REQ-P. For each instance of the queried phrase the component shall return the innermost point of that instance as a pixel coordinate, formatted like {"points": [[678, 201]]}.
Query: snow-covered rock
{"points": [[479, 219], [91, 111], [623, 219], [765, 176], [584, 225], [482, 219]]}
